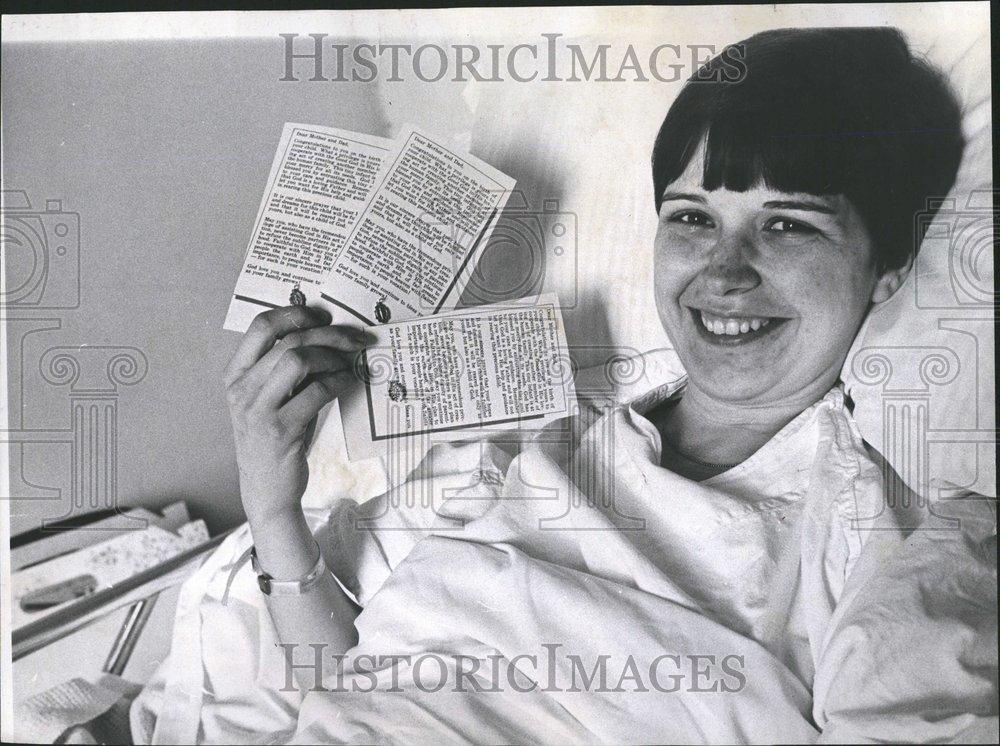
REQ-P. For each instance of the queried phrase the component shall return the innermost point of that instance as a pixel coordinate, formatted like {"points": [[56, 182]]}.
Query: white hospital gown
{"points": [[837, 619]]}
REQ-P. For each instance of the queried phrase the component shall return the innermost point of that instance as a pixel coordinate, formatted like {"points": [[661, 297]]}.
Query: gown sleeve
{"points": [[911, 651]]}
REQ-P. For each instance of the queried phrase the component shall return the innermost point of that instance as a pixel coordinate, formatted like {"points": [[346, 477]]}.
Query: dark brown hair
{"points": [[846, 111]]}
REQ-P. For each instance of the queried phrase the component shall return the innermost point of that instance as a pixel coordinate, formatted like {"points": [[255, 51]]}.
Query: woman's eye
{"points": [[693, 218], [788, 226]]}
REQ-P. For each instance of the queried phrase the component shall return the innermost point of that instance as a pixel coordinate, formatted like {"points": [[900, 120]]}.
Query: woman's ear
{"points": [[890, 281]]}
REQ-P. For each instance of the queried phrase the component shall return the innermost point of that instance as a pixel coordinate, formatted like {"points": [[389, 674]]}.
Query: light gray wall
{"points": [[163, 150]]}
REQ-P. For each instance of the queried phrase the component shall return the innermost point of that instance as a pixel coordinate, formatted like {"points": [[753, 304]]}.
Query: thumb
{"points": [[310, 431]]}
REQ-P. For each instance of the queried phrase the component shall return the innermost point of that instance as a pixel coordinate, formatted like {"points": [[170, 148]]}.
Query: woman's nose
{"points": [[729, 269]]}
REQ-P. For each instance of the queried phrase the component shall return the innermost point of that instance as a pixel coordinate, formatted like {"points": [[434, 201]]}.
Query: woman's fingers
{"points": [[294, 365], [343, 338], [265, 330], [302, 408]]}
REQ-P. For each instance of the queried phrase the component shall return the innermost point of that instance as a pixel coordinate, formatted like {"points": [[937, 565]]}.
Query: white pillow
{"points": [[922, 370]]}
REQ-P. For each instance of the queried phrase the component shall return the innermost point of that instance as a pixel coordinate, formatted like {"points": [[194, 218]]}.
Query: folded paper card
{"points": [[371, 229]]}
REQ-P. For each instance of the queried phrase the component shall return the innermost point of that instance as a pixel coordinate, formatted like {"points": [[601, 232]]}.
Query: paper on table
{"points": [[458, 375], [416, 244], [49, 545], [319, 182], [108, 562]]}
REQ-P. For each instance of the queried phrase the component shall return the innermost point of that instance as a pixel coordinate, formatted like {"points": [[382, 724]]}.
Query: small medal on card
{"points": [[297, 297], [382, 312], [397, 391]]}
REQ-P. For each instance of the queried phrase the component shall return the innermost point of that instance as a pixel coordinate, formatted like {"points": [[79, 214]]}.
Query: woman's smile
{"points": [[729, 328]]}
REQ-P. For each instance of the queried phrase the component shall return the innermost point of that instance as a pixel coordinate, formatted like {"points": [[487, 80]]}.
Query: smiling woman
{"points": [[732, 514], [786, 210]]}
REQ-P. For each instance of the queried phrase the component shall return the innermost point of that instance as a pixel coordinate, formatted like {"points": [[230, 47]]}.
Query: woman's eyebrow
{"points": [[800, 205], [667, 196]]}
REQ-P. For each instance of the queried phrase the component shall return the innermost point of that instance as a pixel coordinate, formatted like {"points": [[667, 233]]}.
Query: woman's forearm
{"points": [[289, 365], [322, 615]]}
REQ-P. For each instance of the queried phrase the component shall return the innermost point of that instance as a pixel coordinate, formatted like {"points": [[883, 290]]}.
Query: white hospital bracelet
{"points": [[271, 587]]}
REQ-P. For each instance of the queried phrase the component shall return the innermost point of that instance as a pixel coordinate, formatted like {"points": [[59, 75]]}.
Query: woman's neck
{"points": [[706, 432]]}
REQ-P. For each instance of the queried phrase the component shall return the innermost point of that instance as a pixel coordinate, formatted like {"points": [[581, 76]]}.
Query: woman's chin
{"points": [[738, 373], [736, 387]]}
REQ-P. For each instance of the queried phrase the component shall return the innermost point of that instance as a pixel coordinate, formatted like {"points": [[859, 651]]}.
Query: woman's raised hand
{"points": [[290, 363]]}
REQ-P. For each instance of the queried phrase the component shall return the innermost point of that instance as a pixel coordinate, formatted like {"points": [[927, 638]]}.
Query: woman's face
{"points": [[761, 292]]}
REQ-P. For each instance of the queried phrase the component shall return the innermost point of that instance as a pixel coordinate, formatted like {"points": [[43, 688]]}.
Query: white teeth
{"points": [[731, 326]]}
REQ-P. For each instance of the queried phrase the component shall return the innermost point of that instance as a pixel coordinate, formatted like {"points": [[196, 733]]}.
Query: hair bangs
{"points": [[748, 140], [846, 111]]}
